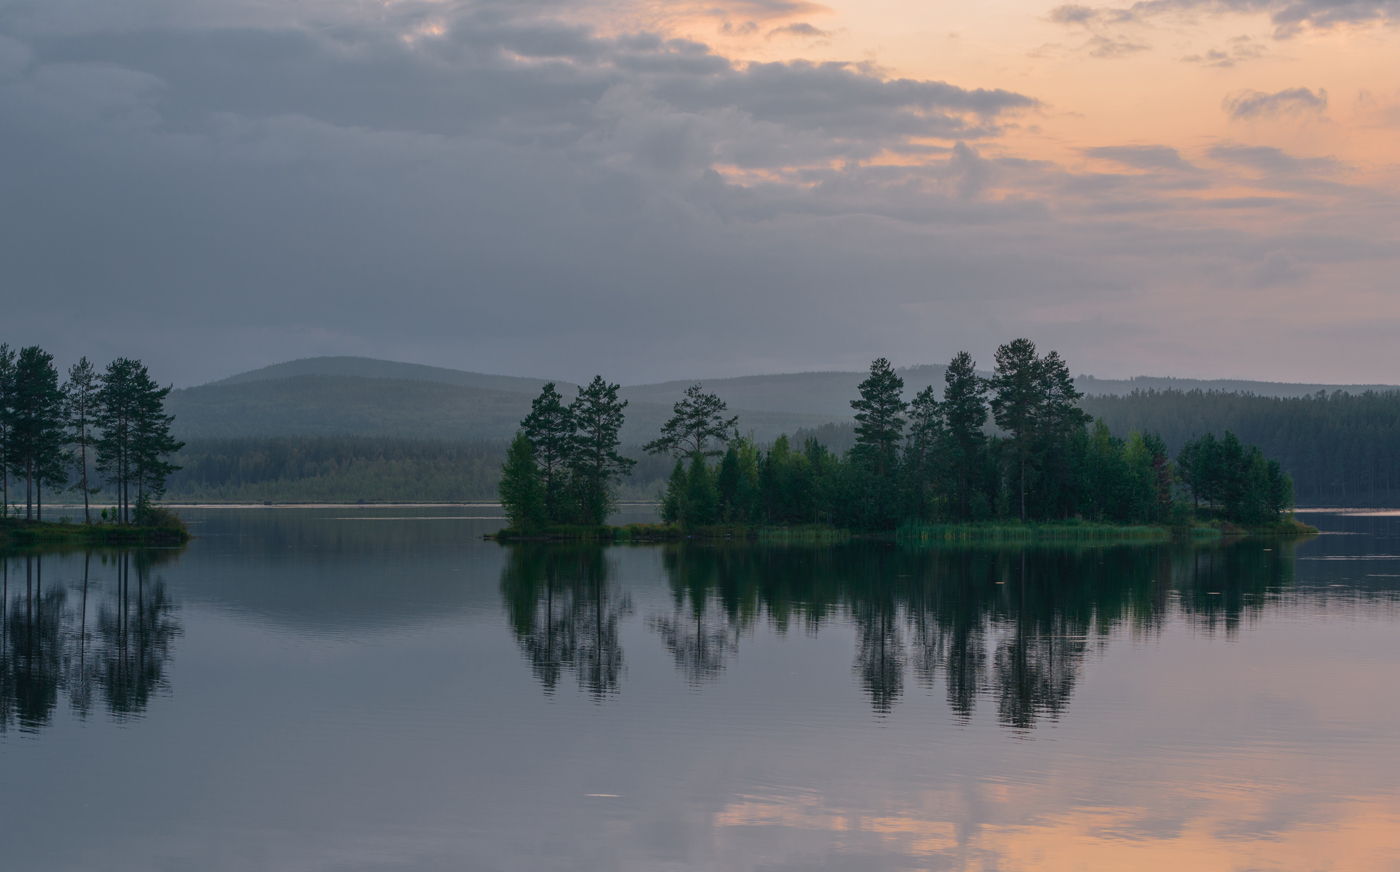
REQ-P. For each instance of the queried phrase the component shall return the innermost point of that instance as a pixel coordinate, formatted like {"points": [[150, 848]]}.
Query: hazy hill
{"points": [[1122, 387], [338, 405], [369, 367], [813, 395]]}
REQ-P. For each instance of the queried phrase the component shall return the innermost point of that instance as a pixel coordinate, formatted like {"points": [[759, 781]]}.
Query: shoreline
{"points": [[988, 532]]}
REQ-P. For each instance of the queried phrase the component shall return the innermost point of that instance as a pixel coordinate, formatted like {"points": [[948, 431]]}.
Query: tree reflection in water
{"points": [[565, 614], [1013, 627], [50, 644]]}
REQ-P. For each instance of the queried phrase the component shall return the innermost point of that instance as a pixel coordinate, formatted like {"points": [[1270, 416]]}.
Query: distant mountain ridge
{"points": [[334, 396]]}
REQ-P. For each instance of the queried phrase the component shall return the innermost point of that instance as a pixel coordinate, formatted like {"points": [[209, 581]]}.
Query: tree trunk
{"points": [[29, 491], [87, 514], [1023, 489]]}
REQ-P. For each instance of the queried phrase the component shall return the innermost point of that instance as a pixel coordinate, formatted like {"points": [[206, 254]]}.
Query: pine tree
{"points": [[595, 465], [521, 488], [1017, 400], [926, 434], [80, 395], [550, 429], [702, 498], [698, 420], [153, 442], [36, 420], [879, 425], [965, 413], [673, 500], [7, 389]]}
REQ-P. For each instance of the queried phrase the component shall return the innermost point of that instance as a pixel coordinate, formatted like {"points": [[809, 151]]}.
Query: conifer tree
{"points": [[135, 435], [702, 498], [965, 414], [879, 425], [80, 395], [698, 420], [521, 488], [7, 388], [153, 441], [596, 466], [1016, 402], [550, 429], [926, 434], [673, 500], [36, 420], [116, 418]]}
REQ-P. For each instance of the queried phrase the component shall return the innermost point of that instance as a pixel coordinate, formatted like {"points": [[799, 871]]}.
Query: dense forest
{"points": [[1341, 449], [929, 460]]}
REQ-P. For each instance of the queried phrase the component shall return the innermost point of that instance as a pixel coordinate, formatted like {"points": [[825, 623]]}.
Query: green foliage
{"points": [[550, 430], [702, 497], [135, 436], [673, 501], [522, 489], [596, 466], [344, 469], [879, 417], [36, 438], [1339, 448], [1234, 479], [698, 419], [1045, 468]]}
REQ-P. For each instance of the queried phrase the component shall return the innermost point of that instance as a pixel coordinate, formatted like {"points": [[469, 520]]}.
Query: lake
{"points": [[381, 689]]}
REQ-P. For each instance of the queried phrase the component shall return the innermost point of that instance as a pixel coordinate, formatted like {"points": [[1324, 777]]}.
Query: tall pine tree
{"points": [[597, 467]]}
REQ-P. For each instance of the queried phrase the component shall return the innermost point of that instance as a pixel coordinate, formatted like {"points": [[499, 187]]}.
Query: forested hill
{"points": [[330, 405], [1341, 449], [369, 367]]}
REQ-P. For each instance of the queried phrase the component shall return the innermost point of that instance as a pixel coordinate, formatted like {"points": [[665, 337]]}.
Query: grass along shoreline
{"points": [[19, 532], [989, 531]]}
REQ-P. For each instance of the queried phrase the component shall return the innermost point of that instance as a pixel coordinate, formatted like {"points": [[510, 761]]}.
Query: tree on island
{"points": [[549, 429], [698, 420], [80, 397], [36, 436], [573, 459], [597, 467], [7, 389], [522, 488], [135, 436]]}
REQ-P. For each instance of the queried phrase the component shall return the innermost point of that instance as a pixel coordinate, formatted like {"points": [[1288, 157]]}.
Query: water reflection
{"points": [[104, 641], [1009, 627], [565, 614]]}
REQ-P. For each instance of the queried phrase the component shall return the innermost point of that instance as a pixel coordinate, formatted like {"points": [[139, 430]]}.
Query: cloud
{"points": [[1108, 47], [1242, 48], [501, 187], [1246, 105], [1144, 157], [799, 28], [1288, 16]]}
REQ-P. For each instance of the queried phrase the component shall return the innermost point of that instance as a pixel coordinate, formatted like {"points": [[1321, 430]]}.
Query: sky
{"points": [[659, 190]]}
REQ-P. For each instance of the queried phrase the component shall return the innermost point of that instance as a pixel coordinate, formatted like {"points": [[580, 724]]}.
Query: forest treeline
{"points": [[55, 436], [928, 460], [1340, 449]]}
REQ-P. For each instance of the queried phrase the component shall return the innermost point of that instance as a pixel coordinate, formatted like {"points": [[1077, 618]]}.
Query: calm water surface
{"points": [[357, 689]]}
